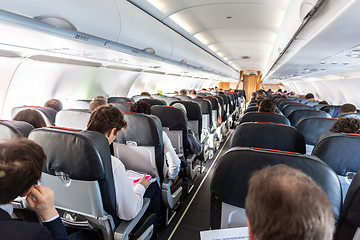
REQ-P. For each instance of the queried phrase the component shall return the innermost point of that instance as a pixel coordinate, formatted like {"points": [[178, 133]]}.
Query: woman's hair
{"points": [[141, 107], [30, 116], [346, 125], [105, 118]]}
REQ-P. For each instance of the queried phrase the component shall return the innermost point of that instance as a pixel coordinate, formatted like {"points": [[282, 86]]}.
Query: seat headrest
{"points": [[237, 165], [10, 129], [204, 104], [214, 102], [193, 109], [350, 115], [123, 106], [153, 101], [299, 114], [267, 135], [264, 117], [333, 110], [139, 97], [78, 153], [119, 99], [313, 127], [340, 151], [251, 109], [73, 118], [173, 118], [145, 130], [48, 112], [289, 108]]}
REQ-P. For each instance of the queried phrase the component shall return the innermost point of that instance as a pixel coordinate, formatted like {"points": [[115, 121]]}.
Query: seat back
{"points": [[223, 112], [289, 108], [313, 127], [350, 115], [153, 101], [299, 114], [214, 109], [47, 113], [81, 104], [194, 116], [349, 223], [281, 103], [226, 103], [140, 146], [136, 98], [174, 122], [341, 152], [79, 171], [251, 109], [119, 99], [264, 117], [229, 184], [73, 118], [269, 136], [206, 112], [333, 110], [168, 100], [10, 130], [183, 97], [123, 106]]}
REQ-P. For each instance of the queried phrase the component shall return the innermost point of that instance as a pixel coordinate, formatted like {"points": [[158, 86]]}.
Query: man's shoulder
{"points": [[17, 229]]}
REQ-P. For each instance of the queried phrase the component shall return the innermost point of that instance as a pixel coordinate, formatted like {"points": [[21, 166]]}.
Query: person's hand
{"points": [[143, 181], [41, 200], [176, 178]]}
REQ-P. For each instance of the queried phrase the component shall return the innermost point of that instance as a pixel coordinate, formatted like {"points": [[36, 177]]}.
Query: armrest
{"points": [[123, 230], [170, 196]]}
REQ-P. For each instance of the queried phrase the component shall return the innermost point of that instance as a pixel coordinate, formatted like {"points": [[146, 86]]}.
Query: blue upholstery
{"points": [[289, 108], [299, 114], [229, 183], [313, 127], [264, 117], [267, 135]]}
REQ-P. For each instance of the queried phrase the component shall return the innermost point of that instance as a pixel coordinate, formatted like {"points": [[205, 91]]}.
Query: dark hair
{"points": [[55, 104], [145, 94], [259, 99], [30, 116], [183, 92], [267, 105], [309, 96], [141, 107], [347, 108], [284, 203], [21, 163], [105, 118], [96, 103], [346, 125], [323, 102]]}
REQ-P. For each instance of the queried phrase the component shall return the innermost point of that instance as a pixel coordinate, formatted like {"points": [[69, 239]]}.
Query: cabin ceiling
{"points": [[240, 32]]}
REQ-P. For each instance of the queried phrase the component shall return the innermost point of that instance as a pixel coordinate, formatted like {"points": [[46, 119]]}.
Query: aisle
{"points": [[194, 214]]}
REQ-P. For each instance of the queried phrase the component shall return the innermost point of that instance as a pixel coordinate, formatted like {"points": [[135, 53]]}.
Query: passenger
{"points": [[145, 94], [183, 92], [100, 97], [267, 105], [109, 120], [30, 116], [194, 145], [347, 108], [323, 102], [192, 92], [172, 160], [259, 100], [96, 103], [310, 97], [21, 164], [55, 104], [346, 125], [283, 203]]}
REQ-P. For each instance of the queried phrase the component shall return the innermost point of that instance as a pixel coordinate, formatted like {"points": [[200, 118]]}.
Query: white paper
{"points": [[226, 234]]}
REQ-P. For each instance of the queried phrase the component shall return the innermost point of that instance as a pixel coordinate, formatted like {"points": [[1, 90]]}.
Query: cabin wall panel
{"points": [[7, 69]]}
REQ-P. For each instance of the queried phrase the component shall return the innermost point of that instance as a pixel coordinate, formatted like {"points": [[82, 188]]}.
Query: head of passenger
{"points": [[108, 120], [347, 108], [30, 116], [141, 107], [183, 92], [259, 100], [192, 92], [346, 125], [309, 96], [323, 102], [284, 203], [145, 94], [96, 103], [181, 107], [55, 104], [101, 97], [283, 97], [267, 105], [253, 95], [21, 164]]}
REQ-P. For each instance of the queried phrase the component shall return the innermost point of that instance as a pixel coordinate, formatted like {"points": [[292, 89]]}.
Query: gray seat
{"points": [[79, 171], [11, 130], [47, 113], [229, 183], [73, 118], [119, 99]]}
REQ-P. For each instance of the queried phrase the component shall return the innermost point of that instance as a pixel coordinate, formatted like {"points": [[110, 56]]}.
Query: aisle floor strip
{"points": [[197, 190]]}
